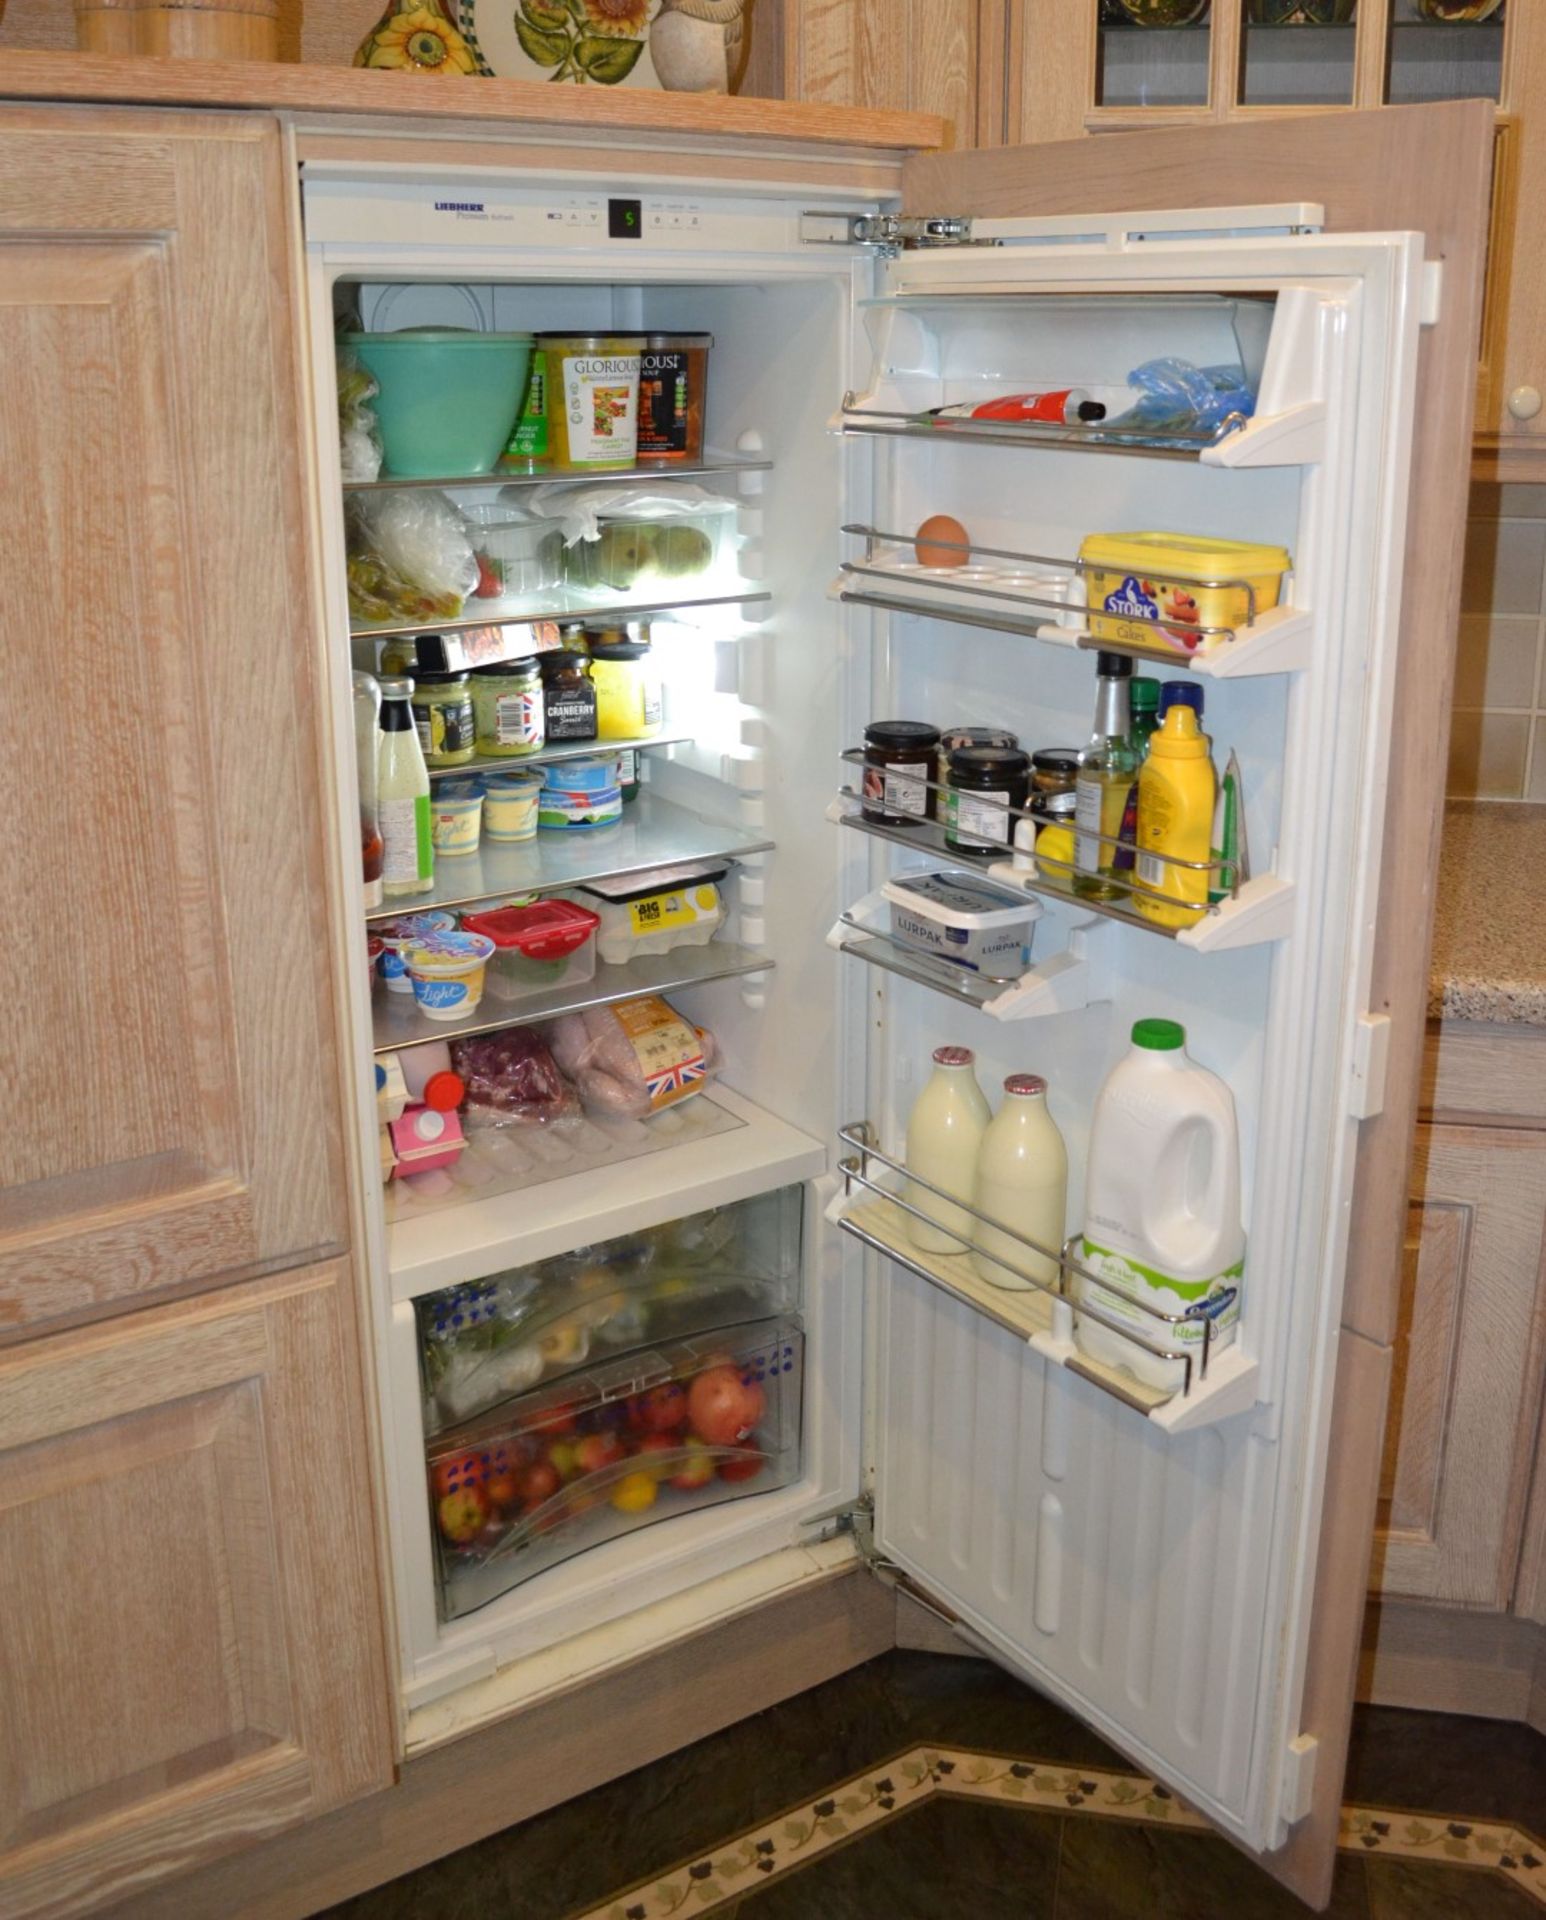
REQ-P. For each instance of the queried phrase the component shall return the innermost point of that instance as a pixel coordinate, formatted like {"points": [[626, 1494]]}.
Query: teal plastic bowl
{"points": [[448, 399]]}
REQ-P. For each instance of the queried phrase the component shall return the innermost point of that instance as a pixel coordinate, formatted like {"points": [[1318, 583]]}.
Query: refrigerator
{"points": [[1166, 1565]]}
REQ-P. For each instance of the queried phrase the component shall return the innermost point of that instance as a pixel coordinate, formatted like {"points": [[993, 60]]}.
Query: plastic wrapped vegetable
{"points": [[633, 1059], [410, 557], [1176, 397], [359, 440], [512, 1080]]}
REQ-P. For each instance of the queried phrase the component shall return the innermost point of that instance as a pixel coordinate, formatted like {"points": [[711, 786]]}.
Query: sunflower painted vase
{"points": [[417, 36]]}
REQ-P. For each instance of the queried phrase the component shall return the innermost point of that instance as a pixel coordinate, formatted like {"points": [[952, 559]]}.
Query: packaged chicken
{"points": [[633, 1059]]}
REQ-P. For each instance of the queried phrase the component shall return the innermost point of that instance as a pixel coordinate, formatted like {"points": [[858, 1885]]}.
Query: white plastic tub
{"points": [[964, 919], [656, 912]]}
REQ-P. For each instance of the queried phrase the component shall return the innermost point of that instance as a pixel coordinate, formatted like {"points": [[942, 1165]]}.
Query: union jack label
{"points": [[673, 1081]]}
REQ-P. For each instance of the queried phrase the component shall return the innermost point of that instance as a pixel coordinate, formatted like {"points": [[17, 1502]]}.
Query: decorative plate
{"points": [[576, 42]]}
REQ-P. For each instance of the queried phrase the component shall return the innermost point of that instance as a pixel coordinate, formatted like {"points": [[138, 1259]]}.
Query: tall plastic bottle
{"points": [[1177, 791], [944, 1132], [1161, 1206], [367, 731], [408, 859], [1022, 1180]]}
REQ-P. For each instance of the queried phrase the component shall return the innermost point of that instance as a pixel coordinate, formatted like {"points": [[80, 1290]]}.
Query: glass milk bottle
{"points": [[1022, 1181], [944, 1132], [402, 796]]}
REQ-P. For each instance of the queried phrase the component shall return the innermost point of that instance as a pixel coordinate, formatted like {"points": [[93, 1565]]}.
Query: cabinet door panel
{"points": [[1466, 1393], [192, 1655], [172, 1052]]}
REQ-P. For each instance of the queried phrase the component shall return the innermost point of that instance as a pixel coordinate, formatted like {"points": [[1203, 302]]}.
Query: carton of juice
{"points": [[1167, 589]]}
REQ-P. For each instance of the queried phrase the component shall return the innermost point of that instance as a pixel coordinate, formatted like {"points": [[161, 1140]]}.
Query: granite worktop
{"points": [[1489, 935]]}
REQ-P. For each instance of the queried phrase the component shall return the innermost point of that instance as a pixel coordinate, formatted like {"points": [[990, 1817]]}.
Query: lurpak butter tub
{"points": [[1165, 589], [962, 918]]}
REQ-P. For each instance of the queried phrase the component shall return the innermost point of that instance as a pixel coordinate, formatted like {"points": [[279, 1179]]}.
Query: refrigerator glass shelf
{"points": [[396, 1021], [710, 465], [1213, 1384], [651, 833], [550, 756], [568, 603]]}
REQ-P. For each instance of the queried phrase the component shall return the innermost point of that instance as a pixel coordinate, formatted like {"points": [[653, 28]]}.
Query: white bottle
{"points": [[1161, 1208], [1022, 1180], [944, 1132], [402, 797]]}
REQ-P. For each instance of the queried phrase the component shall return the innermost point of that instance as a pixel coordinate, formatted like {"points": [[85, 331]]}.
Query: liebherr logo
{"points": [[460, 206]]}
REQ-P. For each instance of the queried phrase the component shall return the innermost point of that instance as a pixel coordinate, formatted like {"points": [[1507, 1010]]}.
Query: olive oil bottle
{"points": [[1104, 781]]}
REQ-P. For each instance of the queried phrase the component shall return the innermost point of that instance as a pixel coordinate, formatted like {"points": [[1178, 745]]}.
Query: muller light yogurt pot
{"points": [[447, 972], [1165, 589], [400, 934]]}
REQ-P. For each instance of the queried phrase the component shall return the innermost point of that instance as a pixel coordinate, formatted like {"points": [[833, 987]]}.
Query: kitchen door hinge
{"points": [[857, 1518], [888, 233]]}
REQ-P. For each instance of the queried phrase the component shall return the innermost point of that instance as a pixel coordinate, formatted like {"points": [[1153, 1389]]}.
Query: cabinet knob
{"points": [[1524, 403]]}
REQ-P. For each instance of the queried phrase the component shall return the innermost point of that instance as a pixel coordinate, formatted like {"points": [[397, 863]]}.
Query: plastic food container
{"points": [[657, 912], [563, 810], [589, 773], [659, 543], [1146, 589], [592, 398], [447, 971], [548, 944], [399, 934], [483, 1341], [456, 819], [518, 545], [962, 918], [448, 398], [510, 805], [678, 1426], [673, 381]]}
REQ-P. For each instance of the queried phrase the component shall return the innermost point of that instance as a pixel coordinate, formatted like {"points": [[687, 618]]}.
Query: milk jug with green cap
{"points": [[1161, 1211]]}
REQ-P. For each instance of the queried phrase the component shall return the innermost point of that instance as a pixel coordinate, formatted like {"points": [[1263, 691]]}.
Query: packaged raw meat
{"points": [[512, 1080], [635, 1058]]}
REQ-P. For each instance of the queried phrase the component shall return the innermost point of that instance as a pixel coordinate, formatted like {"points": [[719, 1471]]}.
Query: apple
{"points": [[724, 1407], [503, 1488], [462, 1514], [598, 1450], [656, 1443], [662, 1410], [561, 1455], [459, 1470], [745, 1463], [635, 1493], [697, 1470], [539, 1482]]}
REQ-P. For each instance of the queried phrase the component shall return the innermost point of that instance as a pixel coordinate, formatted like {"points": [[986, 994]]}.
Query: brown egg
{"points": [[938, 542]]}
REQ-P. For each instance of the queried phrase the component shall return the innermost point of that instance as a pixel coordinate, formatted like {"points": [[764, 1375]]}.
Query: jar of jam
{"points": [[899, 762], [1054, 771], [628, 702], [953, 739], [508, 709], [568, 696], [983, 783], [442, 716]]}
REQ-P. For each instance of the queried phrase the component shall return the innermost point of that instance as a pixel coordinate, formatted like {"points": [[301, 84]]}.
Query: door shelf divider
{"points": [[1060, 984], [1214, 1385], [396, 1021]]}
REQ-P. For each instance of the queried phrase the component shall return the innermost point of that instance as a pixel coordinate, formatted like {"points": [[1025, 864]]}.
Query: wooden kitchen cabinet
{"points": [[1066, 67], [192, 1657], [174, 1071], [1467, 1378]]}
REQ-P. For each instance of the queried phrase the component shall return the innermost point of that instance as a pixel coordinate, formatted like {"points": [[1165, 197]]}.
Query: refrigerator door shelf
{"points": [[1216, 1386]]}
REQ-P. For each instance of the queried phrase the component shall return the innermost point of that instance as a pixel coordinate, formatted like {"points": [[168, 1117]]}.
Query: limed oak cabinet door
{"points": [[192, 1656], [169, 1104]]}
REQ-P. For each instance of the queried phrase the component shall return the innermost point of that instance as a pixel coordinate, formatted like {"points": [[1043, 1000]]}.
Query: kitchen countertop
{"points": [[1489, 936]]}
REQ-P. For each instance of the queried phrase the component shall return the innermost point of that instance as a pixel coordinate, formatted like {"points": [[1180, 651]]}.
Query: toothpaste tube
{"points": [[1069, 406]]}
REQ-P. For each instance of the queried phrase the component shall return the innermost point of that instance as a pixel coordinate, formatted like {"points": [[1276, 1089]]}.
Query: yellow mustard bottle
{"points": [[1177, 788]]}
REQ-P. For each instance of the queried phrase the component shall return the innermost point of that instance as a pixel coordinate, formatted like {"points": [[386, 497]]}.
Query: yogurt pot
{"points": [[571, 812], [456, 819], [964, 919], [375, 946], [399, 934], [447, 971], [590, 774], [510, 805]]}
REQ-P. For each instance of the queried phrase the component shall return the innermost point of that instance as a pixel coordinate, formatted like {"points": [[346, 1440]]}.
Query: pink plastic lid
{"points": [[1025, 1083], [545, 930], [953, 1056]]}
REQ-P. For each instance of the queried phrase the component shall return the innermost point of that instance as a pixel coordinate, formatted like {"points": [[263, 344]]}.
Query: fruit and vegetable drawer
{"points": [[665, 1431]]}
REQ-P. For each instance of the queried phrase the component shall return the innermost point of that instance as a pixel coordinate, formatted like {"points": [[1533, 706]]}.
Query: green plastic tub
{"points": [[448, 398]]}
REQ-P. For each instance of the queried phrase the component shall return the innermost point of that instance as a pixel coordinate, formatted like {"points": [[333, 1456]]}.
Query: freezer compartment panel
{"points": [[485, 1341], [667, 1431]]}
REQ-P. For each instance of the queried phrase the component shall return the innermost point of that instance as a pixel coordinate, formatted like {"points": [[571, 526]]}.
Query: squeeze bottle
{"points": [[1162, 1208], [944, 1132], [1177, 791], [1022, 1180]]}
